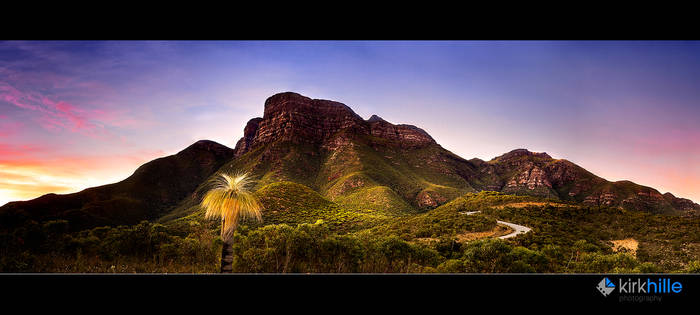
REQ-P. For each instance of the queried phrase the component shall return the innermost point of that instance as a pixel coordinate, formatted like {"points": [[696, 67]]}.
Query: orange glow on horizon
{"points": [[31, 178]]}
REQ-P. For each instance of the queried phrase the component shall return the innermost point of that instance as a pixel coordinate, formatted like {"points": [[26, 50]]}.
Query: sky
{"points": [[77, 114]]}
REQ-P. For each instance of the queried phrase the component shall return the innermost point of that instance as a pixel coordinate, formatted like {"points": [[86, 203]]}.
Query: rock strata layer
{"points": [[299, 119]]}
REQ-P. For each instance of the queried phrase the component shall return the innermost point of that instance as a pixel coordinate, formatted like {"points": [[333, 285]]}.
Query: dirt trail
{"points": [[517, 229]]}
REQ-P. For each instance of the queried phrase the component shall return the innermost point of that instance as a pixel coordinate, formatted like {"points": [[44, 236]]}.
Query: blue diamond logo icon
{"points": [[609, 283]]}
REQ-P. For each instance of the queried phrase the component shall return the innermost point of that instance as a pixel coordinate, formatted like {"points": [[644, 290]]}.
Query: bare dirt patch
{"points": [[628, 244], [427, 239], [495, 232]]}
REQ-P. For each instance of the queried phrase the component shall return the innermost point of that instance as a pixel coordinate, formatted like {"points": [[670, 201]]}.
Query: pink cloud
{"points": [[68, 112], [69, 103], [54, 115], [57, 115], [11, 95]]}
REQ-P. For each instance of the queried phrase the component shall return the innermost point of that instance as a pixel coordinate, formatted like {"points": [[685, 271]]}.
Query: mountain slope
{"points": [[526, 173], [152, 190]]}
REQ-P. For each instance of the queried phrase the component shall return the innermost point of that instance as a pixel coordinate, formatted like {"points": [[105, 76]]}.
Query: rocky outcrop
{"points": [[516, 156], [530, 179], [681, 203], [689, 207], [425, 200], [406, 135], [530, 173], [606, 198], [292, 117], [251, 129], [298, 119]]}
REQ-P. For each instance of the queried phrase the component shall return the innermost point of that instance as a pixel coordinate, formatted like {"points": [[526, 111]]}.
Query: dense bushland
{"points": [[565, 238]]}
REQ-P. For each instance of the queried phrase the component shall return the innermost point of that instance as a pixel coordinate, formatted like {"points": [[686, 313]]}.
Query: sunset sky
{"points": [[80, 114]]}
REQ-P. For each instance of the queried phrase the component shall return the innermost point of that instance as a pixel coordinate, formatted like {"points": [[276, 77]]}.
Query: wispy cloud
{"points": [[53, 114]]}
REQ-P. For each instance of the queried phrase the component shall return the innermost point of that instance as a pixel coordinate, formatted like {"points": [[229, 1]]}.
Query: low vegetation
{"points": [[304, 232]]}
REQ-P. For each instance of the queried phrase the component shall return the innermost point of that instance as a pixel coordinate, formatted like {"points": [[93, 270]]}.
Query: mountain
{"points": [[526, 173], [324, 150], [152, 190], [326, 146], [329, 148]]}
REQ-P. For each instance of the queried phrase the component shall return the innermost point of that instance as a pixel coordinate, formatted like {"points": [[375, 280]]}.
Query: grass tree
{"points": [[231, 199]]}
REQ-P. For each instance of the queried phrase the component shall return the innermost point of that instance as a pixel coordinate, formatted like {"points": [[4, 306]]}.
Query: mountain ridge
{"points": [[367, 165], [151, 190], [519, 171]]}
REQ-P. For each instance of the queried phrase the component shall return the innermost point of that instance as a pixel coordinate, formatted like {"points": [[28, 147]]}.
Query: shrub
{"points": [[693, 267]]}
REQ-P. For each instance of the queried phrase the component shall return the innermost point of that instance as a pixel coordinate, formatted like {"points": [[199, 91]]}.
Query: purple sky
{"points": [[79, 114]]}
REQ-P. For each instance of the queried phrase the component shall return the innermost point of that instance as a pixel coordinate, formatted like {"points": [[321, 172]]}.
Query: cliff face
{"points": [[292, 117], [686, 205], [244, 144], [408, 136], [523, 172]]}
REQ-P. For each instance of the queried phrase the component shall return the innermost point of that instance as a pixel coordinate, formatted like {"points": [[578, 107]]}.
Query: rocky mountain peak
{"points": [[249, 132], [375, 118], [293, 117], [518, 153], [683, 204], [290, 102]]}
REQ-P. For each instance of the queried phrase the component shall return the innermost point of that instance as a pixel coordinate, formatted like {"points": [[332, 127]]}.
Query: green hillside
{"points": [[360, 176]]}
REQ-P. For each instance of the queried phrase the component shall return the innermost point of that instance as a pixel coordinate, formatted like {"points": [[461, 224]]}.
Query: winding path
{"points": [[517, 229]]}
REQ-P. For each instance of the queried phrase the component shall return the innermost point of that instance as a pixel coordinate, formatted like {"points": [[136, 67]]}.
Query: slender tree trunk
{"points": [[226, 252], [227, 258]]}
